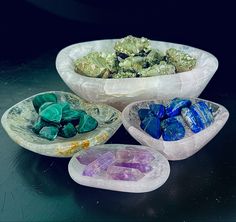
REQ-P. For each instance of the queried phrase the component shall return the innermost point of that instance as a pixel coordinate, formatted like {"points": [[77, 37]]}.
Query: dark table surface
{"points": [[39, 188]]}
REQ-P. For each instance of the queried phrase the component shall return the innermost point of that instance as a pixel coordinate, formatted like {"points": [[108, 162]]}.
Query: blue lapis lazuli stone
{"points": [[172, 129], [205, 113], [158, 110], [193, 119], [175, 106], [143, 113], [152, 126]]}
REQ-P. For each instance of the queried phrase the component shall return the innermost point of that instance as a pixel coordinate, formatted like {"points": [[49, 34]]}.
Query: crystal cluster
{"points": [[128, 164], [134, 57], [57, 118], [168, 121]]}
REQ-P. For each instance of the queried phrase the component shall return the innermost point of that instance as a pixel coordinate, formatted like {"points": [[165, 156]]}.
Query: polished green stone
{"points": [[52, 113], [49, 132], [72, 115], [39, 100], [87, 123], [68, 130], [44, 106], [64, 105], [38, 125]]}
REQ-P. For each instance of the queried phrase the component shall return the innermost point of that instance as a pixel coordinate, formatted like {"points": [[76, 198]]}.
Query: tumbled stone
{"points": [[100, 164], [172, 129], [124, 173], [86, 124], [158, 110], [175, 106], [45, 105], [68, 131], [204, 112], [71, 115], [151, 125], [49, 132], [39, 100], [132, 155], [142, 113], [142, 167], [38, 125], [52, 113], [193, 120], [64, 105]]}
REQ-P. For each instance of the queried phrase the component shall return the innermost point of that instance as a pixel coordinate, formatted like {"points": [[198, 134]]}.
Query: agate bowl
{"points": [[120, 92], [179, 149], [19, 119]]}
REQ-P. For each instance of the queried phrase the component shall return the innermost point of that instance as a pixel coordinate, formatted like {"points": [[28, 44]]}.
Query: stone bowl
{"points": [[120, 92], [151, 181], [180, 149], [18, 121]]}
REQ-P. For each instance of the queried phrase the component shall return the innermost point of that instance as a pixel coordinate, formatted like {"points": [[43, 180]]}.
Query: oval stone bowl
{"points": [[121, 92], [18, 121], [180, 149], [151, 181]]}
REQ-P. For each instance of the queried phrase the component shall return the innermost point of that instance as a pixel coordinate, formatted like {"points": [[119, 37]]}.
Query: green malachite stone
{"points": [[52, 113], [38, 125], [44, 106], [49, 132], [39, 100], [71, 115], [64, 105], [68, 130], [87, 123]]}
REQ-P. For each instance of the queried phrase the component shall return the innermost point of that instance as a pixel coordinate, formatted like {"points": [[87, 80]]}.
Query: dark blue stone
{"points": [[143, 113], [158, 110], [152, 126], [172, 129], [205, 113], [193, 119], [175, 106]]}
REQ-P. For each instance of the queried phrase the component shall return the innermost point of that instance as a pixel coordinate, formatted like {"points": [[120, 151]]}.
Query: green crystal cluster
{"points": [[134, 57], [57, 118]]}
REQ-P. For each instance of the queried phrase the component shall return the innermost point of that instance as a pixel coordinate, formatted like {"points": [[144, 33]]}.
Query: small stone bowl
{"points": [[151, 181], [180, 149], [120, 92], [18, 121]]}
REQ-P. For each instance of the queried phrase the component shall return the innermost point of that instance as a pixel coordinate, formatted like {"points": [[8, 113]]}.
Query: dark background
{"points": [[38, 188]]}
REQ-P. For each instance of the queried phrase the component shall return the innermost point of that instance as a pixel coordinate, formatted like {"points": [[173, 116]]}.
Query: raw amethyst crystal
{"points": [[143, 167], [100, 164], [134, 155], [124, 173]]}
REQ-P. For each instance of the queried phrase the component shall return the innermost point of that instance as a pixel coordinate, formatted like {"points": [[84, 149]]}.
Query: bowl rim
{"points": [[64, 53]]}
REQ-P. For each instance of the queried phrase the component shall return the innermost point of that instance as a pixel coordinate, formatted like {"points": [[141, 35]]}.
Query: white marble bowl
{"points": [[180, 149], [121, 92], [151, 181], [18, 121]]}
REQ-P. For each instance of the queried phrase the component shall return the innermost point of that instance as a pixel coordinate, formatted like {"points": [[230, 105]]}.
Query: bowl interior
{"points": [[19, 119]]}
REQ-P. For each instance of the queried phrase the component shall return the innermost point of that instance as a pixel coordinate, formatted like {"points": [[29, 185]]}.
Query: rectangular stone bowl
{"points": [[120, 92], [180, 149], [18, 121]]}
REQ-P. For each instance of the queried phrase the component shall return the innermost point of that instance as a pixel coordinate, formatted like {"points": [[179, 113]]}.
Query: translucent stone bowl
{"points": [[151, 181], [18, 121], [180, 149], [121, 92]]}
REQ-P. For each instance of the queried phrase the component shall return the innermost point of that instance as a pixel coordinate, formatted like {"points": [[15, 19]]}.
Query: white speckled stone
{"points": [[18, 121], [180, 149], [149, 182], [121, 92]]}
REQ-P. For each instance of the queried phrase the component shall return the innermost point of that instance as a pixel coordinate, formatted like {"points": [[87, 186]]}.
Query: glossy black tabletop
{"points": [[39, 188]]}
